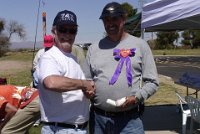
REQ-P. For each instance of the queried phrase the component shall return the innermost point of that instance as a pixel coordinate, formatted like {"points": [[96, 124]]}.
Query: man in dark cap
{"points": [[63, 89], [118, 64]]}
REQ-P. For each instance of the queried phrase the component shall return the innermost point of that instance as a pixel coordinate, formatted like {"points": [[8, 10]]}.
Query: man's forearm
{"points": [[64, 84], [61, 84]]}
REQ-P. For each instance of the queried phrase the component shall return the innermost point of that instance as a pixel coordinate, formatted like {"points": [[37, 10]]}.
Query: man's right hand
{"points": [[88, 88]]}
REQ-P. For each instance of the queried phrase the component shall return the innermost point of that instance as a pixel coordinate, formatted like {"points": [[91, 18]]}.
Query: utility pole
{"points": [[44, 23]]}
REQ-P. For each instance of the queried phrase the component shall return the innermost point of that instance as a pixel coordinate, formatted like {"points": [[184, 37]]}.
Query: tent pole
{"points": [[141, 6], [142, 33]]}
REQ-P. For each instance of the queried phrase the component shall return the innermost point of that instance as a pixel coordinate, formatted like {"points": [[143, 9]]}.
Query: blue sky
{"points": [[88, 11]]}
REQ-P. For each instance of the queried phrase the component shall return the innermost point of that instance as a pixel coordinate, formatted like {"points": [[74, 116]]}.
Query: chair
{"points": [[194, 105], [185, 112]]}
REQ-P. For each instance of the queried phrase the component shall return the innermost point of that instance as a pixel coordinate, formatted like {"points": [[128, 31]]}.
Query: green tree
{"points": [[4, 45], [191, 38], [12, 28], [15, 28], [129, 9], [3, 39], [130, 13], [165, 40], [2, 23]]}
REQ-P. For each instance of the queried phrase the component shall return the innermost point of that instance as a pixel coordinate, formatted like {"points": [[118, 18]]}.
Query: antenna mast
{"points": [[38, 11]]}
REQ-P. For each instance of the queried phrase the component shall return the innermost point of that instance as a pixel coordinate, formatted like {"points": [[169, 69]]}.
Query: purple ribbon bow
{"points": [[123, 55]]}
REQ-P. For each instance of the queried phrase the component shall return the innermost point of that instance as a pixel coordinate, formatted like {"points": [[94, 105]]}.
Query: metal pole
{"points": [[38, 11], [141, 6], [141, 3]]}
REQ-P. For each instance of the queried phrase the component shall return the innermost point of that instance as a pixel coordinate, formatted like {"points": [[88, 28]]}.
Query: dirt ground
{"points": [[9, 65]]}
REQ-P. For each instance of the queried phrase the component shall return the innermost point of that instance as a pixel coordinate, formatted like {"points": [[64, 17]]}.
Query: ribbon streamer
{"points": [[123, 55]]}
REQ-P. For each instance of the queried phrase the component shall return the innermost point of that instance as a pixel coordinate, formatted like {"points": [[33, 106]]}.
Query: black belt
{"points": [[77, 126], [114, 114]]}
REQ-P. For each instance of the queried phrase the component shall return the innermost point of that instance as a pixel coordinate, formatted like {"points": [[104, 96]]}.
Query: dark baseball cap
{"points": [[112, 9], [65, 18]]}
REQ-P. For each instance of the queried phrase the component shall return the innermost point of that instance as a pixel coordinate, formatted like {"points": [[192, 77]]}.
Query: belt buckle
{"points": [[109, 114], [106, 113]]}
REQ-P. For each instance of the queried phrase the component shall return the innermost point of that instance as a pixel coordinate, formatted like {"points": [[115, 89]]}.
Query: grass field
{"points": [[177, 52], [19, 64]]}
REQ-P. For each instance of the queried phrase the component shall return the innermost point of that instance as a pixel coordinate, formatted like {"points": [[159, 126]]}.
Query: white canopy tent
{"points": [[168, 15]]}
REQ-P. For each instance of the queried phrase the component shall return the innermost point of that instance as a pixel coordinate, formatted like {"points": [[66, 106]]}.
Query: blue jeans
{"points": [[124, 124], [49, 129]]}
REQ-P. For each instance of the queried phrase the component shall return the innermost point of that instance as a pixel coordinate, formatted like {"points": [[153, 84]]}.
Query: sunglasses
{"points": [[64, 30]]}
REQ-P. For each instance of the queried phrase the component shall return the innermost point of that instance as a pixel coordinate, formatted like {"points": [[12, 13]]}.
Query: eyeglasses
{"points": [[64, 30]]}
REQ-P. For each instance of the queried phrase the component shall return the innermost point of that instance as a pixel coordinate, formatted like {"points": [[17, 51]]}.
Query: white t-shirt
{"points": [[37, 58], [67, 107]]}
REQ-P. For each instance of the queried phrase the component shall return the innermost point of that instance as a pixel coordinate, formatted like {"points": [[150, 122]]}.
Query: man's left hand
{"points": [[130, 100]]}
